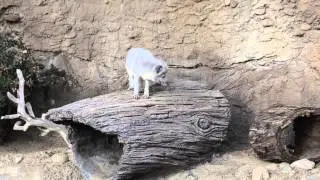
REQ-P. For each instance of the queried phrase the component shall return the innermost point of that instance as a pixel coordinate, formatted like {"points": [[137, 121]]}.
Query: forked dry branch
{"points": [[25, 113]]}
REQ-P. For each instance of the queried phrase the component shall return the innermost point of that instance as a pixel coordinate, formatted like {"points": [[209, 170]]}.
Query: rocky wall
{"points": [[259, 53]]}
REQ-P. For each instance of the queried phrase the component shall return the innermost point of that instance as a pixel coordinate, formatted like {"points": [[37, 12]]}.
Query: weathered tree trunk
{"points": [[176, 127], [287, 134]]}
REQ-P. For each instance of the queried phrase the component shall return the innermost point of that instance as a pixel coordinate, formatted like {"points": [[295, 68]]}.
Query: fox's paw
{"points": [[135, 96], [146, 96]]}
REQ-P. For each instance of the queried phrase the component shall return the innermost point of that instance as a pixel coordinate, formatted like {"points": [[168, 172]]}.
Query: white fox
{"points": [[141, 64]]}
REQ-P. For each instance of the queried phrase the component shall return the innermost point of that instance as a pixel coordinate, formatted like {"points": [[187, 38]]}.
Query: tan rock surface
{"points": [[259, 53]]}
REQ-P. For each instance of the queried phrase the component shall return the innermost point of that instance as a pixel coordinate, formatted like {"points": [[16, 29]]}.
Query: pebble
{"points": [[285, 168], [272, 167], [260, 11], [314, 171], [260, 173], [284, 165], [313, 177], [305, 27], [304, 164], [234, 4], [243, 172], [12, 18], [18, 159], [59, 158], [298, 33], [267, 23]]}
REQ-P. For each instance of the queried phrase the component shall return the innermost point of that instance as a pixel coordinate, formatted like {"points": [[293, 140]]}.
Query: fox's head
{"points": [[160, 74]]}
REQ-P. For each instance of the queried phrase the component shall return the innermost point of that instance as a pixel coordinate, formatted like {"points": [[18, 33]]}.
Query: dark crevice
{"points": [[307, 137], [4, 9], [215, 68], [196, 66], [96, 154]]}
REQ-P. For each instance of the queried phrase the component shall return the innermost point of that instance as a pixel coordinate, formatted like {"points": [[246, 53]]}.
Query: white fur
{"points": [[140, 64]]}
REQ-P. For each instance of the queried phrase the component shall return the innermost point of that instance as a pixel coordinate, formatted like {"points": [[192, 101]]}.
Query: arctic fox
{"points": [[141, 64]]}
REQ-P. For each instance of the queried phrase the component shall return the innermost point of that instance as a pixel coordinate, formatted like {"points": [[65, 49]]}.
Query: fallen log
{"points": [[285, 133], [176, 127], [116, 136]]}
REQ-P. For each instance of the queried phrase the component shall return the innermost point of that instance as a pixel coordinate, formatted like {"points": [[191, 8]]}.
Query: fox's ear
{"points": [[158, 68]]}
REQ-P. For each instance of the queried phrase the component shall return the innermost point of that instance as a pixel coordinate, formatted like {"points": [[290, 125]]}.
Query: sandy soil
{"points": [[29, 156], [240, 165]]}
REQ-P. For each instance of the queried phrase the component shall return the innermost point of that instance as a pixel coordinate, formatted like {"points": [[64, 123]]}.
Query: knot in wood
{"points": [[204, 124]]}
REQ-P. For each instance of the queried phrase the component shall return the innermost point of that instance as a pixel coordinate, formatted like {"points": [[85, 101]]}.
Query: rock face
{"points": [[261, 54]]}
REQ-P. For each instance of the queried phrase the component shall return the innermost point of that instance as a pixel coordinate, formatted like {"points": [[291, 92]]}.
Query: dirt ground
{"points": [[28, 156], [244, 165]]}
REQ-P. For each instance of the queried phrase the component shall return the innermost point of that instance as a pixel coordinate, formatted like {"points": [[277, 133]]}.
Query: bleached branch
{"points": [[28, 116]]}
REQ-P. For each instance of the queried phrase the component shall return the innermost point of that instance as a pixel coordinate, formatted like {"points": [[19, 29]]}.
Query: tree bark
{"points": [[176, 127]]}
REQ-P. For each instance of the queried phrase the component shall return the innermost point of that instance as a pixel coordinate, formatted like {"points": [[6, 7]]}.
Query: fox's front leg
{"points": [[136, 86], [131, 79], [146, 89]]}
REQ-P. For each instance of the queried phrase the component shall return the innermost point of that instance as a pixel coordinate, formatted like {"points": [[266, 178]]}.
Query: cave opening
{"points": [[307, 137], [97, 154]]}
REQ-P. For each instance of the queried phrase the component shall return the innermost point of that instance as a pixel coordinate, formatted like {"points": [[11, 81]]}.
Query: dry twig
{"points": [[28, 116]]}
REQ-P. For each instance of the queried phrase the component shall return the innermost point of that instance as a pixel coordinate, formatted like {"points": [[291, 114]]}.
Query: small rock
{"points": [[310, 19], [227, 2], [315, 171], [260, 11], [304, 164], [133, 34], [243, 172], [283, 165], [260, 173], [267, 23], [42, 3], [233, 3], [113, 27], [298, 33], [18, 159], [172, 3], [226, 157], [289, 12], [313, 177], [59, 158], [285, 168], [12, 18], [272, 167], [305, 27]]}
